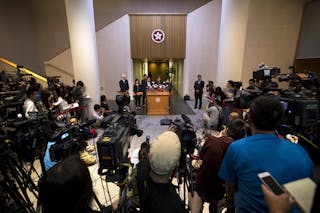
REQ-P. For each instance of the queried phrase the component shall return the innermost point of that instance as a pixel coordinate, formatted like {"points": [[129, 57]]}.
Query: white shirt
{"points": [[97, 116], [214, 114], [63, 104], [29, 106]]}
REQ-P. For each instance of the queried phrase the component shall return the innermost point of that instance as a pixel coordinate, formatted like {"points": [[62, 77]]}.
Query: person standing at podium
{"points": [[124, 85], [198, 92]]}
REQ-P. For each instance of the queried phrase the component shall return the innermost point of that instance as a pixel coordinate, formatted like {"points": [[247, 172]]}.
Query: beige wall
{"points": [[36, 30], [202, 45], [309, 40], [61, 65], [17, 35], [113, 43], [272, 34]]}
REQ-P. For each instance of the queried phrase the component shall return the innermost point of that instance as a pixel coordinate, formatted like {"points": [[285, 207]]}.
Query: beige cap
{"points": [[165, 153]]}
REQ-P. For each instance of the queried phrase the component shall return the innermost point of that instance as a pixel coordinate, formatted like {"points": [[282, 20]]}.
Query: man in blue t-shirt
{"points": [[262, 152]]}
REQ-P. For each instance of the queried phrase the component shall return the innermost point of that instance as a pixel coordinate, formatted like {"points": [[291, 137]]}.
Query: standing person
{"points": [[209, 187], [198, 91], [144, 86], [124, 84], [137, 93], [149, 83], [262, 152], [229, 92], [159, 195], [158, 81], [67, 187]]}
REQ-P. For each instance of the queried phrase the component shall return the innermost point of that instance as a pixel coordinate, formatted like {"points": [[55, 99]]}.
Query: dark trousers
{"points": [[198, 95], [144, 98], [137, 99]]}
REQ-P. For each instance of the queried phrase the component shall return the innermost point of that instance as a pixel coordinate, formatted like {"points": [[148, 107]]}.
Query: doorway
{"points": [[156, 69], [164, 68]]}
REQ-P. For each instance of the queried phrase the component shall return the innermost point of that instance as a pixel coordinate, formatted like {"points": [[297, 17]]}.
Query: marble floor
{"points": [[108, 192]]}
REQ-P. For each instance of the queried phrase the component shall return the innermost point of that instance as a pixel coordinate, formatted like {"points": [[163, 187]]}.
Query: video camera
{"points": [[114, 143], [186, 134], [266, 73], [70, 140]]}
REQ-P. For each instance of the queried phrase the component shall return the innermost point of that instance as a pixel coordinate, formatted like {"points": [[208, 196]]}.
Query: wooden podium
{"points": [[158, 102]]}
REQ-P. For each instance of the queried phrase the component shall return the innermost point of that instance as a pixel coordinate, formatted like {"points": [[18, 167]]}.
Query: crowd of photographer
{"points": [[228, 165], [224, 173]]}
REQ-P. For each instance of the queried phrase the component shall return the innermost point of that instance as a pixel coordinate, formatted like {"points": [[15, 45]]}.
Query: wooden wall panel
{"points": [[142, 46], [310, 64]]}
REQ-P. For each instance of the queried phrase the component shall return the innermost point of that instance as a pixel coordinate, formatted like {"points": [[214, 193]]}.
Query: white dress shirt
{"points": [[29, 106]]}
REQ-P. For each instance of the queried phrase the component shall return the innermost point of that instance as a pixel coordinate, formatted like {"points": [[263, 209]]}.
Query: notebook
{"points": [[303, 191]]}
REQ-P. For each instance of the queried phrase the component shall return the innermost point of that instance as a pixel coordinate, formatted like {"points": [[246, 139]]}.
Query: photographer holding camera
{"points": [[158, 194]]}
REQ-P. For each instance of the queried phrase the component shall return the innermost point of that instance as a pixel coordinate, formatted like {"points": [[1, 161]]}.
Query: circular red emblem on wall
{"points": [[158, 36]]}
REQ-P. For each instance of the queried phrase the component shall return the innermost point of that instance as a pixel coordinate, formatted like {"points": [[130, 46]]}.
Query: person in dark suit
{"points": [[123, 83], [198, 92], [144, 87], [137, 93]]}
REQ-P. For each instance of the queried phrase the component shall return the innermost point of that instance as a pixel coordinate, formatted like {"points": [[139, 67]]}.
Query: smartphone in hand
{"points": [[271, 183]]}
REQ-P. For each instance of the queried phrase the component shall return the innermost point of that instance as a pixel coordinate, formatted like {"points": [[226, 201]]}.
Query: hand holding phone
{"points": [[271, 183]]}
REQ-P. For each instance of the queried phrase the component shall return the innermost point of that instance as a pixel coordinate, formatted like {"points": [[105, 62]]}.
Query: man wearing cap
{"points": [[160, 195]]}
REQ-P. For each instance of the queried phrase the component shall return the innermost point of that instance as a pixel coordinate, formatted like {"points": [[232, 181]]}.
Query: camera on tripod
{"points": [[114, 143], [70, 140], [186, 133], [266, 73]]}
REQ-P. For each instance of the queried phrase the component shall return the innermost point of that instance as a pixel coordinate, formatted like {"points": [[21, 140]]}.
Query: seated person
{"points": [[67, 187], [98, 112], [159, 195], [104, 104], [211, 116], [209, 187], [61, 102], [29, 105]]}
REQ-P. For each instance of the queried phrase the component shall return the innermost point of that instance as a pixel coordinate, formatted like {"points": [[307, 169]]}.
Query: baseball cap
{"points": [[164, 153]]}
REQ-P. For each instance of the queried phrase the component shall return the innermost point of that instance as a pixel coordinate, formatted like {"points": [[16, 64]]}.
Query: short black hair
{"points": [[67, 187], [96, 107], [231, 83], [31, 90], [252, 80], [80, 84], [238, 129], [102, 98], [266, 113]]}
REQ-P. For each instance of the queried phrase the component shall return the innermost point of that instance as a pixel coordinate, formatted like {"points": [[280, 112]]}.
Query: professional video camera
{"points": [[266, 73], [114, 143], [70, 140], [186, 134]]}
